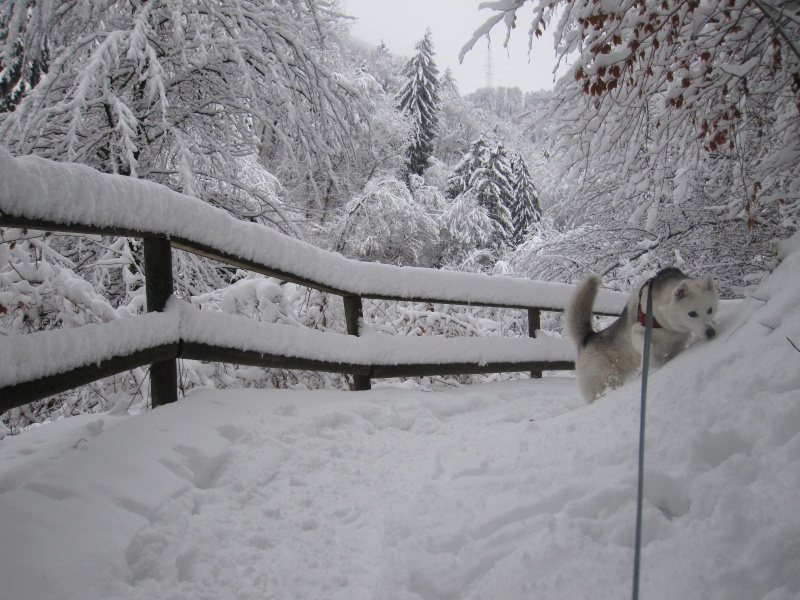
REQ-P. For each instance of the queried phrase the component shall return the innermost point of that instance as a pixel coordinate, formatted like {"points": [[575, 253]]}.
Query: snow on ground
{"points": [[507, 490]]}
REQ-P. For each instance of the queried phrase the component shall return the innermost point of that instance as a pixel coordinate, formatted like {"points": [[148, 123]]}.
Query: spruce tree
{"points": [[447, 85], [525, 207], [473, 159], [486, 171], [419, 100], [494, 185]]}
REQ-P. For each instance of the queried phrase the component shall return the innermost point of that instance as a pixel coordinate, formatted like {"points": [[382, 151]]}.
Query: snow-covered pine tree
{"points": [[447, 84], [494, 186], [471, 161], [419, 100], [486, 171], [525, 207]]}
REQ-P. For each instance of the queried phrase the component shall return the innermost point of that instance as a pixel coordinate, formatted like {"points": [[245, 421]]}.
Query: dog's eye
{"points": [[710, 310], [693, 314]]}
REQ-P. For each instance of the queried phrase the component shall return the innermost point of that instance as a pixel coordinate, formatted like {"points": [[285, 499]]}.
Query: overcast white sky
{"points": [[402, 23]]}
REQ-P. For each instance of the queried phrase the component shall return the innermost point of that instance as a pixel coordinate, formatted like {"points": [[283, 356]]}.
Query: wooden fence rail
{"points": [[158, 246]]}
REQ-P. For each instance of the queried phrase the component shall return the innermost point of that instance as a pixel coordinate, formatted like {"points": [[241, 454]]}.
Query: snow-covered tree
{"points": [[466, 231], [419, 100], [382, 147], [447, 85], [460, 124], [494, 185], [386, 224], [471, 161], [525, 209], [179, 91], [485, 170], [386, 69], [22, 60], [679, 92]]}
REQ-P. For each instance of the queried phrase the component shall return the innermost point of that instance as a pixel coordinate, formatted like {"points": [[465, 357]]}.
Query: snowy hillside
{"points": [[512, 490]]}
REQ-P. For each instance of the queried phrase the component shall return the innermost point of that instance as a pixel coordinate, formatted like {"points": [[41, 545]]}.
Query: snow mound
{"points": [[508, 490]]}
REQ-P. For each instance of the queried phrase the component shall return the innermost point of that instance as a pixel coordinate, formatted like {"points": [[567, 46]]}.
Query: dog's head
{"points": [[694, 306]]}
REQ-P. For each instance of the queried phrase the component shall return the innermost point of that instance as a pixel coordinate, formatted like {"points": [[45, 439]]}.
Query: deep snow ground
{"points": [[255, 495], [507, 490]]}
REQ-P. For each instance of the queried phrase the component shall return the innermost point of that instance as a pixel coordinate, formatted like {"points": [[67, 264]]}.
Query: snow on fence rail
{"points": [[45, 195]]}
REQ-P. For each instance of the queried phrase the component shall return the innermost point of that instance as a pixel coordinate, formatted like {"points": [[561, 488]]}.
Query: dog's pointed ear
{"points": [[708, 283], [681, 291]]}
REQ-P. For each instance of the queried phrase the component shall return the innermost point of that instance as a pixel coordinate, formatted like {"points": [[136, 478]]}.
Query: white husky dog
{"points": [[681, 307]]}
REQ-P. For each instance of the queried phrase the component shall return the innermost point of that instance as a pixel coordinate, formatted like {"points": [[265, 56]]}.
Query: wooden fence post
{"points": [[158, 289], [534, 323], [353, 313]]}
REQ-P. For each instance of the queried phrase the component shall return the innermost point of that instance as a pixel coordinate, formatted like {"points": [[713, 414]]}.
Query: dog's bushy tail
{"points": [[578, 314]]}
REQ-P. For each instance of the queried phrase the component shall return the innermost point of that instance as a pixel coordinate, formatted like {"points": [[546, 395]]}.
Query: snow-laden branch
{"points": [[699, 95], [183, 86]]}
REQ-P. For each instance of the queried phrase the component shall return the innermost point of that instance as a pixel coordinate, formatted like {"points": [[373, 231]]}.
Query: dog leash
{"points": [[648, 334]]}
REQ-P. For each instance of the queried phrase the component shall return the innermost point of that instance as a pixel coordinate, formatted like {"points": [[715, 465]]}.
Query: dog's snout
{"points": [[710, 333]]}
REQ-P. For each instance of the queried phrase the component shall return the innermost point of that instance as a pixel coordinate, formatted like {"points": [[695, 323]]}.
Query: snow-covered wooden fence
{"points": [[44, 195]]}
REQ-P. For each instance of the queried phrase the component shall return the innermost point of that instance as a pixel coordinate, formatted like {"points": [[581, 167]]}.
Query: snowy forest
{"points": [[672, 139]]}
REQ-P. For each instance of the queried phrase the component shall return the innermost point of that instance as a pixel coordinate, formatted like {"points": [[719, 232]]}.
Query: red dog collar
{"points": [[641, 316]]}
